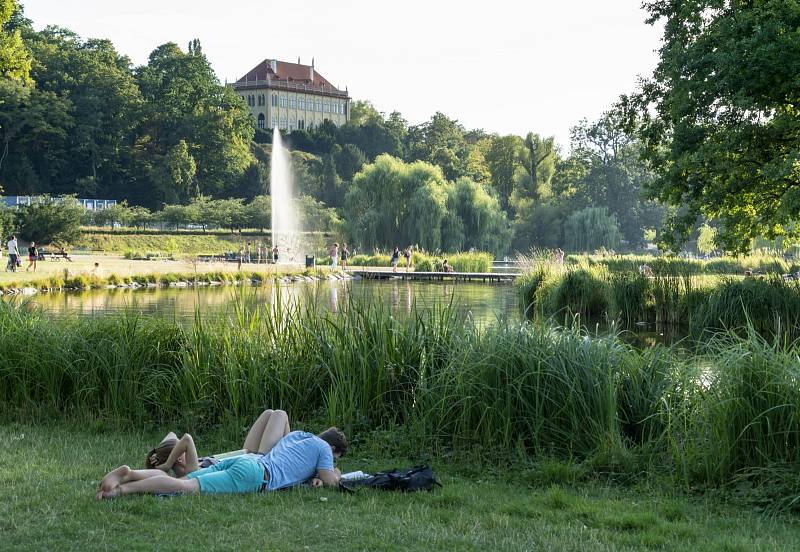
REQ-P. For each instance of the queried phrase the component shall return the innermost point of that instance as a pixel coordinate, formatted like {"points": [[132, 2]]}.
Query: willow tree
{"points": [[395, 203], [590, 229]]}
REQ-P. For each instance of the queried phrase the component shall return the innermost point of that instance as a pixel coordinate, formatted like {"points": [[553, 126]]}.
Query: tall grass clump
{"points": [[770, 306], [527, 389], [580, 291], [748, 415], [630, 297]]}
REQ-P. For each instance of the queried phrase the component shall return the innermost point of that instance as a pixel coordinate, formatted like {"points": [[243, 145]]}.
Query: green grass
{"points": [[50, 472], [176, 244], [702, 303], [666, 264], [511, 392]]}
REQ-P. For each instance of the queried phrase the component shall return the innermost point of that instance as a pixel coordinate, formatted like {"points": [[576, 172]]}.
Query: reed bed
{"points": [[699, 303], [512, 389], [665, 264]]}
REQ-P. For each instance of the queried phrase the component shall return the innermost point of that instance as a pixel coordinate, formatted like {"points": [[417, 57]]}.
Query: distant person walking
{"points": [[407, 255], [345, 254], [240, 258], [334, 252], [275, 254], [395, 258], [13, 254], [33, 256], [248, 257]]}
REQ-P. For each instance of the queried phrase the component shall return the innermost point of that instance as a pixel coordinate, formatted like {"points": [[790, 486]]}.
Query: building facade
{"points": [[291, 96]]}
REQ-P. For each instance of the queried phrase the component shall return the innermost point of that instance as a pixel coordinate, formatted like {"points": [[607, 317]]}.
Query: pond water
{"points": [[485, 303]]}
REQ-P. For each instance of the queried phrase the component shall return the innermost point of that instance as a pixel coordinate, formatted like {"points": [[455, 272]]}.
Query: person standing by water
{"points": [[407, 255], [334, 253], [33, 256], [395, 258], [345, 254], [13, 254], [240, 258], [248, 257], [275, 254]]}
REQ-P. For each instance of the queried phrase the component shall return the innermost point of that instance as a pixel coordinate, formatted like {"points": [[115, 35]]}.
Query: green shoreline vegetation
{"points": [[442, 386], [701, 302]]}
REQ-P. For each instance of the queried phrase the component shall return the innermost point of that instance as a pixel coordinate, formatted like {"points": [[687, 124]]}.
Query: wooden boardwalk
{"points": [[437, 276]]}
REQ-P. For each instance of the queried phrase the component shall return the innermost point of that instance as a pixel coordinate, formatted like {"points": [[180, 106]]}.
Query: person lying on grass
{"points": [[296, 458], [180, 455]]}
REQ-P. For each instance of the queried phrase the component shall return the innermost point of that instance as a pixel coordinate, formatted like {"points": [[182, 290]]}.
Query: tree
{"points": [[15, 60], [706, 239], [349, 161], [503, 161], [719, 117], [173, 174], [6, 222], [539, 160], [476, 215], [440, 142], [119, 213], [590, 229], [363, 112], [184, 101], [50, 220], [331, 183], [396, 203], [258, 212]]}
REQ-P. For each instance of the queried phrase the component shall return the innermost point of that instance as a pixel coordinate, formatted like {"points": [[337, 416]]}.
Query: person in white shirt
{"points": [[13, 254]]}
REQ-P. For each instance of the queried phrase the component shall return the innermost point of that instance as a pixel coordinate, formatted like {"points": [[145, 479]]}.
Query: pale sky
{"points": [[504, 66]]}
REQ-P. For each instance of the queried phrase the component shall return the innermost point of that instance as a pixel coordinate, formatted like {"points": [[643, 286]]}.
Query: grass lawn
{"points": [[49, 474], [116, 264]]}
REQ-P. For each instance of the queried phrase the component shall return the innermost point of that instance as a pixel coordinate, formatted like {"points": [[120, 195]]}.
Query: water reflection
{"points": [[484, 303]]}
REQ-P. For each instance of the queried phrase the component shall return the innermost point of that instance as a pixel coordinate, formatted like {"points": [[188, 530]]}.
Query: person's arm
{"points": [[184, 444], [329, 478]]}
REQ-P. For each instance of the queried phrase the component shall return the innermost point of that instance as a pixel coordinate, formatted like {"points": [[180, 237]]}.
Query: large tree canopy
{"points": [[720, 118]]}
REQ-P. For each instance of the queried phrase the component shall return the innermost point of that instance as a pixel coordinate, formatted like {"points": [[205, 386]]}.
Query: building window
{"points": [[319, 105], [301, 103], [283, 122], [311, 105], [261, 120], [293, 103], [292, 123], [274, 101], [274, 121]]}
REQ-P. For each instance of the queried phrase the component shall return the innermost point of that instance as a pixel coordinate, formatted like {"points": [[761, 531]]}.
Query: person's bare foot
{"points": [[111, 481]]}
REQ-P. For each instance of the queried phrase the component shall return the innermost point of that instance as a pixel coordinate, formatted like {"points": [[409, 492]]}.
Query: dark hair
{"points": [[161, 452], [335, 438]]}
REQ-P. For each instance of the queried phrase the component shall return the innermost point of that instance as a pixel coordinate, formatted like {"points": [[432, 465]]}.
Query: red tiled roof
{"points": [[287, 72]]}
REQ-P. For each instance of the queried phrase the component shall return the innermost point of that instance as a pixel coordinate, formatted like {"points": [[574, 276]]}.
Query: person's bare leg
{"points": [[124, 474], [161, 483], [253, 439], [277, 428]]}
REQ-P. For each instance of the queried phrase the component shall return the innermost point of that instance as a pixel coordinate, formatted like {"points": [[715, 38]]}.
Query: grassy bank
{"points": [[50, 472], [667, 265], [510, 392], [702, 303], [82, 274], [175, 244]]}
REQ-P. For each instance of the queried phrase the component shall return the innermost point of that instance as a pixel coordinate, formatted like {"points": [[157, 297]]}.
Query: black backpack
{"points": [[418, 478]]}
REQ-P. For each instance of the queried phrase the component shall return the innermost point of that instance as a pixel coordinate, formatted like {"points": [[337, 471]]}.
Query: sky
{"points": [[503, 66]]}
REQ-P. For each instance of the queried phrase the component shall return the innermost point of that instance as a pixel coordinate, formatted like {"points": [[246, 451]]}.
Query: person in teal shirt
{"points": [[296, 458]]}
